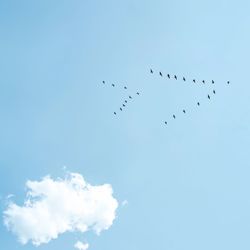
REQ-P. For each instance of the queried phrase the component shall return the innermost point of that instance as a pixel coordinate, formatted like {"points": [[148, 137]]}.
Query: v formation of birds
{"points": [[126, 100], [168, 76]]}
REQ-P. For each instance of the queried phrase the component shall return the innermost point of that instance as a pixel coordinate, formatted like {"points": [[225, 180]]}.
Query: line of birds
{"points": [[183, 78], [184, 110], [124, 104]]}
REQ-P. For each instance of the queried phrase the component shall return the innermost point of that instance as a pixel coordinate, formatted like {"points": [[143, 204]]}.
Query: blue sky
{"points": [[187, 184]]}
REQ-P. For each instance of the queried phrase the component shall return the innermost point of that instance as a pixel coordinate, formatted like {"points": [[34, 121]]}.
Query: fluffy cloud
{"points": [[81, 246], [53, 207]]}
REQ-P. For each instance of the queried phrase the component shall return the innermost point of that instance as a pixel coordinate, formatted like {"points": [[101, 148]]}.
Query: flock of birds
{"points": [[125, 102], [184, 79], [168, 76]]}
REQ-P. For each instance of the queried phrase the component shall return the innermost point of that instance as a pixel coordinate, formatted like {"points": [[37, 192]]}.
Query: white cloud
{"points": [[53, 207], [81, 246]]}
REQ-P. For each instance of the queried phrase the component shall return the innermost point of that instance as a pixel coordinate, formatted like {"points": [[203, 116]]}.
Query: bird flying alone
{"points": [[125, 87], [130, 97], [151, 71], [114, 113], [198, 103], [208, 96], [194, 80], [103, 82], [203, 81], [121, 109], [174, 116], [212, 81], [137, 93], [228, 82], [113, 85], [184, 111], [165, 122], [184, 79]]}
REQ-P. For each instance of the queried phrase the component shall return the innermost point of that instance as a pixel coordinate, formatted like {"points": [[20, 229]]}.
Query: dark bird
{"points": [[184, 111], [125, 87], [184, 79], [212, 81], [130, 97], [194, 80], [175, 77], [228, 82], [160, 73], [126, 101], [166, 123], [114, 113], [203, 81], [174, 116], [151, 71], [137, 93], [214, 91], [198, 103], [123, 105], [208, 96], [113, 85], [121, 109], [103, 82], [168, 76]]}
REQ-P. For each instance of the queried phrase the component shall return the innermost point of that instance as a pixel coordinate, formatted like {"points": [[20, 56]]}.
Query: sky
{"points": [[186, 184]]}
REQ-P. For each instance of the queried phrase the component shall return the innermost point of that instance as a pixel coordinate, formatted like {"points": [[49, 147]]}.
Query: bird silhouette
{"points": [[137, 93], [214, 91], [130, 97], [151, 71], [203, 81], [103, 82], [166, 123], [194, 80], [121, 109], [168, 76], [126, 101], [174, 116], [123, 105], [175, 77], [184, 111], [184, 79], [212, 81], [113, 85], [228, 82], [114, 113], [160, 73], [125, 87], [208, 96], [198, 103]]}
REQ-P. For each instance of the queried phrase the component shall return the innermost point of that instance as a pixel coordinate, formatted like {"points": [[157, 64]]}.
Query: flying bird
{"points": [[212, 81], [184, 79], [137, 93], [160, 73], [198, 103], [103, 82], [121, 109], [228, 82], [123, 105], [151, 71], [208, 96], [174, 116], [214, 91], [130, 97], [194, 80], [168, 76], [203, 81], [125, 87], [184, 111], [175, 77], [113, 85], [126, 101], [114, 113], [166, 123]]}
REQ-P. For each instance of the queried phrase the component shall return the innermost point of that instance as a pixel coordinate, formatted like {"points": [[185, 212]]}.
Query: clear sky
{"points": [[187, 184]]}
